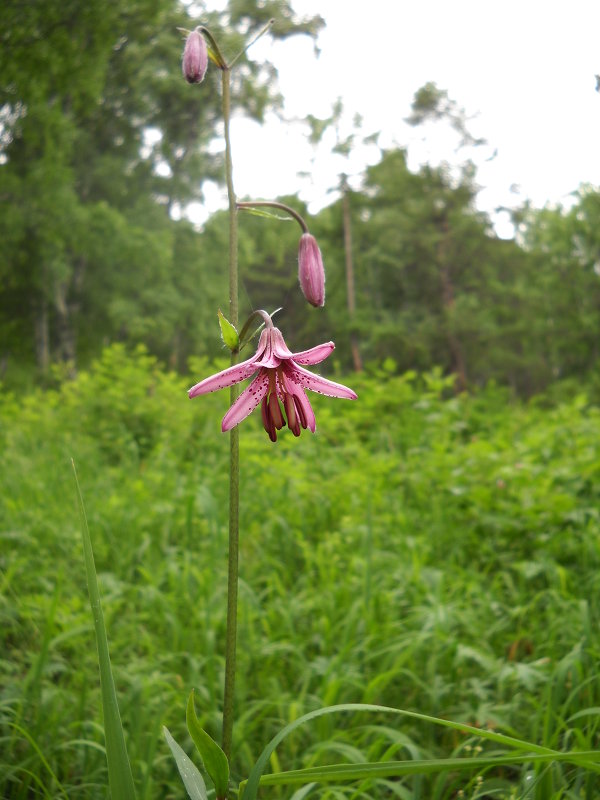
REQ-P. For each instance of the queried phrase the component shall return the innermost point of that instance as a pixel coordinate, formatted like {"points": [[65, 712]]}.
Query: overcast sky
{"points": [[523, 69]]}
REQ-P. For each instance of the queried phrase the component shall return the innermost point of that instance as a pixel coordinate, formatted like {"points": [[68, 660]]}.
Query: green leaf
{"points": [[25, 735], [120, 779], [214, 759], [585, 712], [303, 791], [249, 791], [395, 769], [191, 777], [213, 56], [228, 333]]}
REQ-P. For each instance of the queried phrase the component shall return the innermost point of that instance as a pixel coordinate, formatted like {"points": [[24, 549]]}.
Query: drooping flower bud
{"points": [[195, 58], [310, 270]]}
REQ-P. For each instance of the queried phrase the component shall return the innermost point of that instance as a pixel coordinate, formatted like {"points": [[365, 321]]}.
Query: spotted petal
{"points": [[315, 383], [315, 355], [305, 412], [229, 376], [247, 401]]}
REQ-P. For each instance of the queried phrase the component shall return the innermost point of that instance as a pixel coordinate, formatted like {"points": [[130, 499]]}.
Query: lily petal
{"points": [[246, 402], [279, 384], [280, 348], [315, 355], [302, 404], [275, 350], [229, 376], [315, 383], [305, 412]]}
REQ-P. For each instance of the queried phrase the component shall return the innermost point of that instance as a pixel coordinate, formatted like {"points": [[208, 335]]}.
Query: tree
{"points": [[343, 147], [101, 143], [566, 247]]}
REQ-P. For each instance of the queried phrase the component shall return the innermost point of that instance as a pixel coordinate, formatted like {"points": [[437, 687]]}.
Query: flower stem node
{"points": [[195, 58], [279, 385], [311, 272]]}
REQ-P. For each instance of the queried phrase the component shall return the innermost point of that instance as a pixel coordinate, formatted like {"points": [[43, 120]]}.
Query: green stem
{"points": [[214, 47], [234, 446], [261, 32], [272, 204]]}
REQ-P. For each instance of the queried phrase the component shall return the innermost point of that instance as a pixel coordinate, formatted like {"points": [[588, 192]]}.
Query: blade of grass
{"points": [[214, 759], [120, 779], [190, 775], [26, 735], [36, 779], [251, 788], [390, 769]]}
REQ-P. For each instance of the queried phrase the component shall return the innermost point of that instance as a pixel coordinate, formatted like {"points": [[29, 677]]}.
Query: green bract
{"points": [[214, 759], [229, 333]]}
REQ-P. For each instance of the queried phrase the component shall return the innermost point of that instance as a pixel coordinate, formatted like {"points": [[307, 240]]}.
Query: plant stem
{"points": [[272, 204], [234, 449]]}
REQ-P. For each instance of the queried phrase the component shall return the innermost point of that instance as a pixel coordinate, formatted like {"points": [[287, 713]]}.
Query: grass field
{"points": [[425, 551]]}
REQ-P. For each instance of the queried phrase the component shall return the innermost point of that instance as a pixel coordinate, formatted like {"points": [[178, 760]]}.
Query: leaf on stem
{"points": [[213, 56], [228, 333], [190, 775], [214, 759], [120, 779]]}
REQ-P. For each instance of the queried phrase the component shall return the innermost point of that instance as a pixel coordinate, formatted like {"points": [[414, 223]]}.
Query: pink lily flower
{"points": [[280, 377], [311, 272], [195, 58]]}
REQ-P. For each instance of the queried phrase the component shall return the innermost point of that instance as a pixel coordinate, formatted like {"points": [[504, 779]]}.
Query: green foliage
{"points": [[120, 779], [102, 144], [229, 334], [190, 775], [431, 103], [345, 772], [213, 758], [565, 300], [423, 551], [435, 286]]}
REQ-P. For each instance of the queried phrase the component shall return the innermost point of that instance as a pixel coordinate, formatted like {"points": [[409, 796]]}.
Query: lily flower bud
{"points": [[310, 270], [195, 58]]}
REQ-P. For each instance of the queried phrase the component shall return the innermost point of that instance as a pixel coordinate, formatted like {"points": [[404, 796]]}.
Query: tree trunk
{"points": [[65, 334], [42, 335], [456, 353], [175, 348], [66, 309], [347, 226]]}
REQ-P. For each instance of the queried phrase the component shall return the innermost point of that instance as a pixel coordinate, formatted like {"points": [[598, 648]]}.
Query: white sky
{"points": [[524, 69]]}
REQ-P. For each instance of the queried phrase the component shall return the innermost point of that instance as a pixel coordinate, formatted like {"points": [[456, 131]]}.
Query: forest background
{"points": [[92, 253], [475, 359]]}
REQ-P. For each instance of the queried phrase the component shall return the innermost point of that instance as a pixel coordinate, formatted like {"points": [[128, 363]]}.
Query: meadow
{"points": [[428, 551]]}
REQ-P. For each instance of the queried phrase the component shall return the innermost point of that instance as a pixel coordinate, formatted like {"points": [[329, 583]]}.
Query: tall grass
{"points": [[421, 551]]}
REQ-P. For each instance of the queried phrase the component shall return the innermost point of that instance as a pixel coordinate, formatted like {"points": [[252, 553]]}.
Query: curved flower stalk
{"points": [[311, 272], [279, 385]]}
